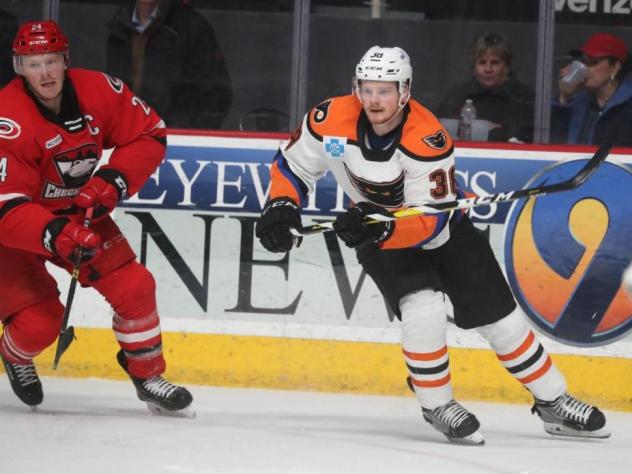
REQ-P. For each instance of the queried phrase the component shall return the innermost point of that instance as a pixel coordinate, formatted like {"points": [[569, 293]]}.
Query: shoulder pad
{"points": [[18, 114], [95, 79], [423, 136], [335, 117]]}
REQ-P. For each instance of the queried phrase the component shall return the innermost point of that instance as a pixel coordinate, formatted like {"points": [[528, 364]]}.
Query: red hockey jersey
{"points": [[46, 158]]}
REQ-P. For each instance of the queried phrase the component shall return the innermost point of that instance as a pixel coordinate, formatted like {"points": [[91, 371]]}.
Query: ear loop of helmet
{"points": [[404, 91]]}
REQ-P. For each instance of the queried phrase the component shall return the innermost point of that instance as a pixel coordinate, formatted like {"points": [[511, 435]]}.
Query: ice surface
{"points": [[91, 426]]}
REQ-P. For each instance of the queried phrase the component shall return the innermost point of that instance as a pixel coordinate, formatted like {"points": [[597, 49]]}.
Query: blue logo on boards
{"points": [[565, 254]]}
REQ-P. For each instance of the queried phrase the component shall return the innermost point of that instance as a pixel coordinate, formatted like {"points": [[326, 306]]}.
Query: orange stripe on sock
{"points": [[521, 350], [426, 355], [538, 373], [431, 383]]}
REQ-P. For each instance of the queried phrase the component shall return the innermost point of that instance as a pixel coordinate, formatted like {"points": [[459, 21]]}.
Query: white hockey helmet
{"points": [[386, 64]]}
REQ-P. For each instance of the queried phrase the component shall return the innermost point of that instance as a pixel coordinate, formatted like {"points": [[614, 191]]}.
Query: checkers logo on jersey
{"points": [[437, 140], [75, 166], [565, 254]]}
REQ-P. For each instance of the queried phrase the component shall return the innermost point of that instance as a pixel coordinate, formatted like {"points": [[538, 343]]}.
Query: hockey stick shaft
{"points": [[67, 333], [466, 203]]}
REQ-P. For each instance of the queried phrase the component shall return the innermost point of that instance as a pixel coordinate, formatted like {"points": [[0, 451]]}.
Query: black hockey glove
{"points": [[273, 227], [352, 226]]}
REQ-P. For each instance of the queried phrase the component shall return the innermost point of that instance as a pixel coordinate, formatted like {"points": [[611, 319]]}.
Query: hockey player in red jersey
{"points": [[54, 124], [388, 152]]}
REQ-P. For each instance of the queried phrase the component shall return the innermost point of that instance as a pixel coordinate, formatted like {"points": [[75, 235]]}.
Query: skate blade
{"points": [[187, 412], [561, 430], [475, 439]]}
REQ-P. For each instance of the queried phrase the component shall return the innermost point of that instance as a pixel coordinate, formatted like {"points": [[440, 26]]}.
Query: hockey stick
{"points": [[67, 333], [465, 203]]}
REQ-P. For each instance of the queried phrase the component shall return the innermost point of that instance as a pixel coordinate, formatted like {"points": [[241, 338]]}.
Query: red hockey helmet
{"points": [[40, 37]]}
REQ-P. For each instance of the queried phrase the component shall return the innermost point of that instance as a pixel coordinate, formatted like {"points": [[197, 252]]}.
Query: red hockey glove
{"points": [[64, 238], [354, 230], [104, 190]]}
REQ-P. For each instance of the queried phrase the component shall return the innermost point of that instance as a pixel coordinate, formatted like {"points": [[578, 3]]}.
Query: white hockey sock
{"points": [[520, 352], [424, 325]]}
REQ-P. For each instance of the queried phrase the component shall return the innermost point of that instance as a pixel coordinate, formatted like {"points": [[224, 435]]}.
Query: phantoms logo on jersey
{"points": [[436, 140], [565, 254]]}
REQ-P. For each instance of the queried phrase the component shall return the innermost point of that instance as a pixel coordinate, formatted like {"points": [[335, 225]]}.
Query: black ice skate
{"points": [[568, 416], [162, 397], [24, 382], [455, 422]]}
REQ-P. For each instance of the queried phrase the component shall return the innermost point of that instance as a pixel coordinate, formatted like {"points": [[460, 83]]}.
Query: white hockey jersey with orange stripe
{"points": [[416, 169]]}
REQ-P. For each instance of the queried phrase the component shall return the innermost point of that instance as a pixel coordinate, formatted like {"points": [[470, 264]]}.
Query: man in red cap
{"points": [[594, 108], [54, 124]]}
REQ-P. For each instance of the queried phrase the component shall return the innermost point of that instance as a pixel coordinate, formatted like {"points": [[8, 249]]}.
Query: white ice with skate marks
{"points": [[96, 426]]}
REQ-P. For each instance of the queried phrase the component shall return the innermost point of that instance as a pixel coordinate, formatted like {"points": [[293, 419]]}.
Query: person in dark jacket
{"points": [[8, 29], [166, 52], [599, 107], [496, 93]]}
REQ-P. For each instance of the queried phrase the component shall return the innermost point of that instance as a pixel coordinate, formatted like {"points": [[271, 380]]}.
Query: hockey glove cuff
{"points": [[104, 190], [273, 227], [354, 230], [64, 238]]}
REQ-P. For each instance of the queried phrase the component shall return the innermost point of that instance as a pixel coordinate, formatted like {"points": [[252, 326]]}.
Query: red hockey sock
{"points": [[31, 330], [131, 290]]}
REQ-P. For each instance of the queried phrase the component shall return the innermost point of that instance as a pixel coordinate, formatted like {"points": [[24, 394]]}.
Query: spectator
{"points": [[590, 110], [497, 95], [8, 28], [167, 53]]}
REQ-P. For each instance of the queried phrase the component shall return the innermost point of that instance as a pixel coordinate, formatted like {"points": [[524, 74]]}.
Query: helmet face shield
{"points": [[39, 37], [386, 64], [32, 63]]}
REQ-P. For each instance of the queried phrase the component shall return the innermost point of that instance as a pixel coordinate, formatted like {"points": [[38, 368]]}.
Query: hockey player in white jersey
{"points": [[388, 152]]}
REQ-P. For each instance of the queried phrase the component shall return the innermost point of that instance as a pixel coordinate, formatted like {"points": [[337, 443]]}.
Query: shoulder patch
{"points": [[9, 129], [335, 146], [115, 83], [436, 140], [321, 111]]}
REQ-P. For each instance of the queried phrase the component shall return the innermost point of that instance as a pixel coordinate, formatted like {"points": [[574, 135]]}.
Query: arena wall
{"points": [[235, 315]]}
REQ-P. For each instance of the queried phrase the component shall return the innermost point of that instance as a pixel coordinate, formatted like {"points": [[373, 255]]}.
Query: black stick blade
{"points": [[65, 339]]}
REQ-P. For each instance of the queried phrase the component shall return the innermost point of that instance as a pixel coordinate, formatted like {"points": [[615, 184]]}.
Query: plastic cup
{"points": [[576, 73]]}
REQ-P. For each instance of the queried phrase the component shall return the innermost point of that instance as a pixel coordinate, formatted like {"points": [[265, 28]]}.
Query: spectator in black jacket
{"points": [[167, 53], [8, 28], [497, 95]]}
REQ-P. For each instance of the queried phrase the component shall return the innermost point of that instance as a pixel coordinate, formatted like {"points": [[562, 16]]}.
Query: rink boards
{"points": [[233, 314]]}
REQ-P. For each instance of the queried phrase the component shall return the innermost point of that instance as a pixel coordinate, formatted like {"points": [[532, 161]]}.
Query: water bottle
{"points": [[468, 115]]}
